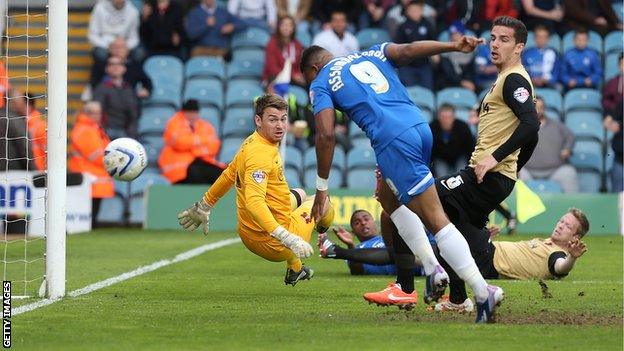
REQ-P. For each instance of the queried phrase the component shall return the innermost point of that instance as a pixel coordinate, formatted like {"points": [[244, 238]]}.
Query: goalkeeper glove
{"points": [[196, 215], [296, 244]]}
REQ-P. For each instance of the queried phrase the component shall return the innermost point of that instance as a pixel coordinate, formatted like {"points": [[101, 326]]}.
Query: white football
{"points": [[125, 159]]}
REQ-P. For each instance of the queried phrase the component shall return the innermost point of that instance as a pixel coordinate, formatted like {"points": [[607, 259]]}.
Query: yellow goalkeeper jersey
{"points": [[262, 194]]}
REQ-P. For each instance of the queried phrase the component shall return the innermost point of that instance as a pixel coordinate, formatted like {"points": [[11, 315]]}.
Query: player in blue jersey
{"points": [[365, 85]]}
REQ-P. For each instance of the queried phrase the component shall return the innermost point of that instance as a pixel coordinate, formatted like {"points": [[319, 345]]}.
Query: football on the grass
{"points": [[125, 159]]}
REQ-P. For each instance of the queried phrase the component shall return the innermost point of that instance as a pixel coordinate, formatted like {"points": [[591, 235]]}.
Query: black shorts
{"points": [[465, 201]]}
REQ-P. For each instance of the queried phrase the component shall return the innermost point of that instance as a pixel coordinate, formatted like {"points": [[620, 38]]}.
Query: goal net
{"points": [[33, 122]]}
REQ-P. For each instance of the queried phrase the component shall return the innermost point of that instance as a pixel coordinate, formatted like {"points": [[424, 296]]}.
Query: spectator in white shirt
{"points": [[255, 13], [336, 39], [111, 20]]}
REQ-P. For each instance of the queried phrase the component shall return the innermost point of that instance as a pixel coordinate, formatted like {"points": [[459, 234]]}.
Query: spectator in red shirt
{"points": [[283, 46]]}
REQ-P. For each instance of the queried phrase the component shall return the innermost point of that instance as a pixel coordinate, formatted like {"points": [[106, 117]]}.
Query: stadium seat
{"points": [[293, 177], [309, 159], [238, 122], [554, 42], [154, 119], [164, 96], [301, 95], [360, 141], [336, 177], [165, 70], [252, 37], [212, 115], [253, 54], [122, 188], [246, 68], [618, 9], [361, 179], [208, 92], [544, 186], [424, 99], [304, 38], [586, 125], [587, 154], [153, 152], [205, 67], [582, 99], [482, 95], [611, 66], [293, 159], [242, 94], [111, 210], [446, 36], [156, 141], [144, 181], [461, 98], [594, 42], [552, 99], [137, 209], [486, 35], [589, 181], [371, 36], [361, 158], [613, 43], [355, 131], [229, 148]]}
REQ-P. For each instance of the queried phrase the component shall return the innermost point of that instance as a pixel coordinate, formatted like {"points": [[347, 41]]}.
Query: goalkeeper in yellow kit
{"points": [[273, 222]]}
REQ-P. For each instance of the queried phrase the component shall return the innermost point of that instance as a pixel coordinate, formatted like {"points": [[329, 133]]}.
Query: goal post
{"points": [[57, 149]]}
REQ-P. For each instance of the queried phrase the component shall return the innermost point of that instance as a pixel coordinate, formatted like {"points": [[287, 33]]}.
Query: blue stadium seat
{"points": [[355, 131], [304, 38], [154, 119], [461, 98], [582, 99], [137, 209], [362, 179], [360, 141], [122, 188], [587, 155], [212, 115], [293, 177], [252, 37], [144, 181], [589, 181], [293, 159], [361, 158], [165, 70], [594, 42], [486, 35], [238, 122], [552, 99], [482, 95], [242, 93], [446, 36], [205, 67], [253, 54], [156, 141], [613, 43], [611, 66], [424, 99], [586, 125], [371, 36], [229, 148], [208, 92], [164, 96], [309, 159], [554, 42], [153, 152], [246, 68], [301, 95], [111, 210], [618, 9], [544, 186], [336, 177]]}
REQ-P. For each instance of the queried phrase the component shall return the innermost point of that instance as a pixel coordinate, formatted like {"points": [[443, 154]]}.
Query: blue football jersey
{"points": [[365, 85], [376, 242]]}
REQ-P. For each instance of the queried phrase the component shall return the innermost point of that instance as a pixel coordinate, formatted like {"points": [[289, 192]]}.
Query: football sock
{"points": [[412, 231], [294, 263], [454, 249], [374, 256], [405, 264]]}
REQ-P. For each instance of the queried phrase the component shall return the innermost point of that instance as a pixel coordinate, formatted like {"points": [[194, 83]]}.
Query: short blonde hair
{"points": [[583, 221]]}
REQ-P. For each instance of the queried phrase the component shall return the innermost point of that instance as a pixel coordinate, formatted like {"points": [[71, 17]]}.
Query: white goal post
{"points": [[57, 149]]}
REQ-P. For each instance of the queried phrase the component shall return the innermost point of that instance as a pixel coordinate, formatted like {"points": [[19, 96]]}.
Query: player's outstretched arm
{"points": [[325, 143], [576, 249], [403, 54], [195, 216]]}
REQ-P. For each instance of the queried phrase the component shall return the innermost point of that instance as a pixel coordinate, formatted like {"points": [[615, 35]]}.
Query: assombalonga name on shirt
{"points": [[335, 80]]}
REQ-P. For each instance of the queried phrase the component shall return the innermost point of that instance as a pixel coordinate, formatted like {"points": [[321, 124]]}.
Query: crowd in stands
{"points": [[181, 75]]}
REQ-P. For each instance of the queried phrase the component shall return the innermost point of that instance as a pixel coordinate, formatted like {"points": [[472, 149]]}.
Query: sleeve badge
{"points": [[521, 94], [259, 176]]}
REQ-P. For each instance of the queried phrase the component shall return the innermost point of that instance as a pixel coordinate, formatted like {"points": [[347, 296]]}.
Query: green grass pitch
{"points": [[229, 299]]}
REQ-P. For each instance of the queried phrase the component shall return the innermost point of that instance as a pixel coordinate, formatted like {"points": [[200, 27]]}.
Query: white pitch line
{"points": [[125, 276]]}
